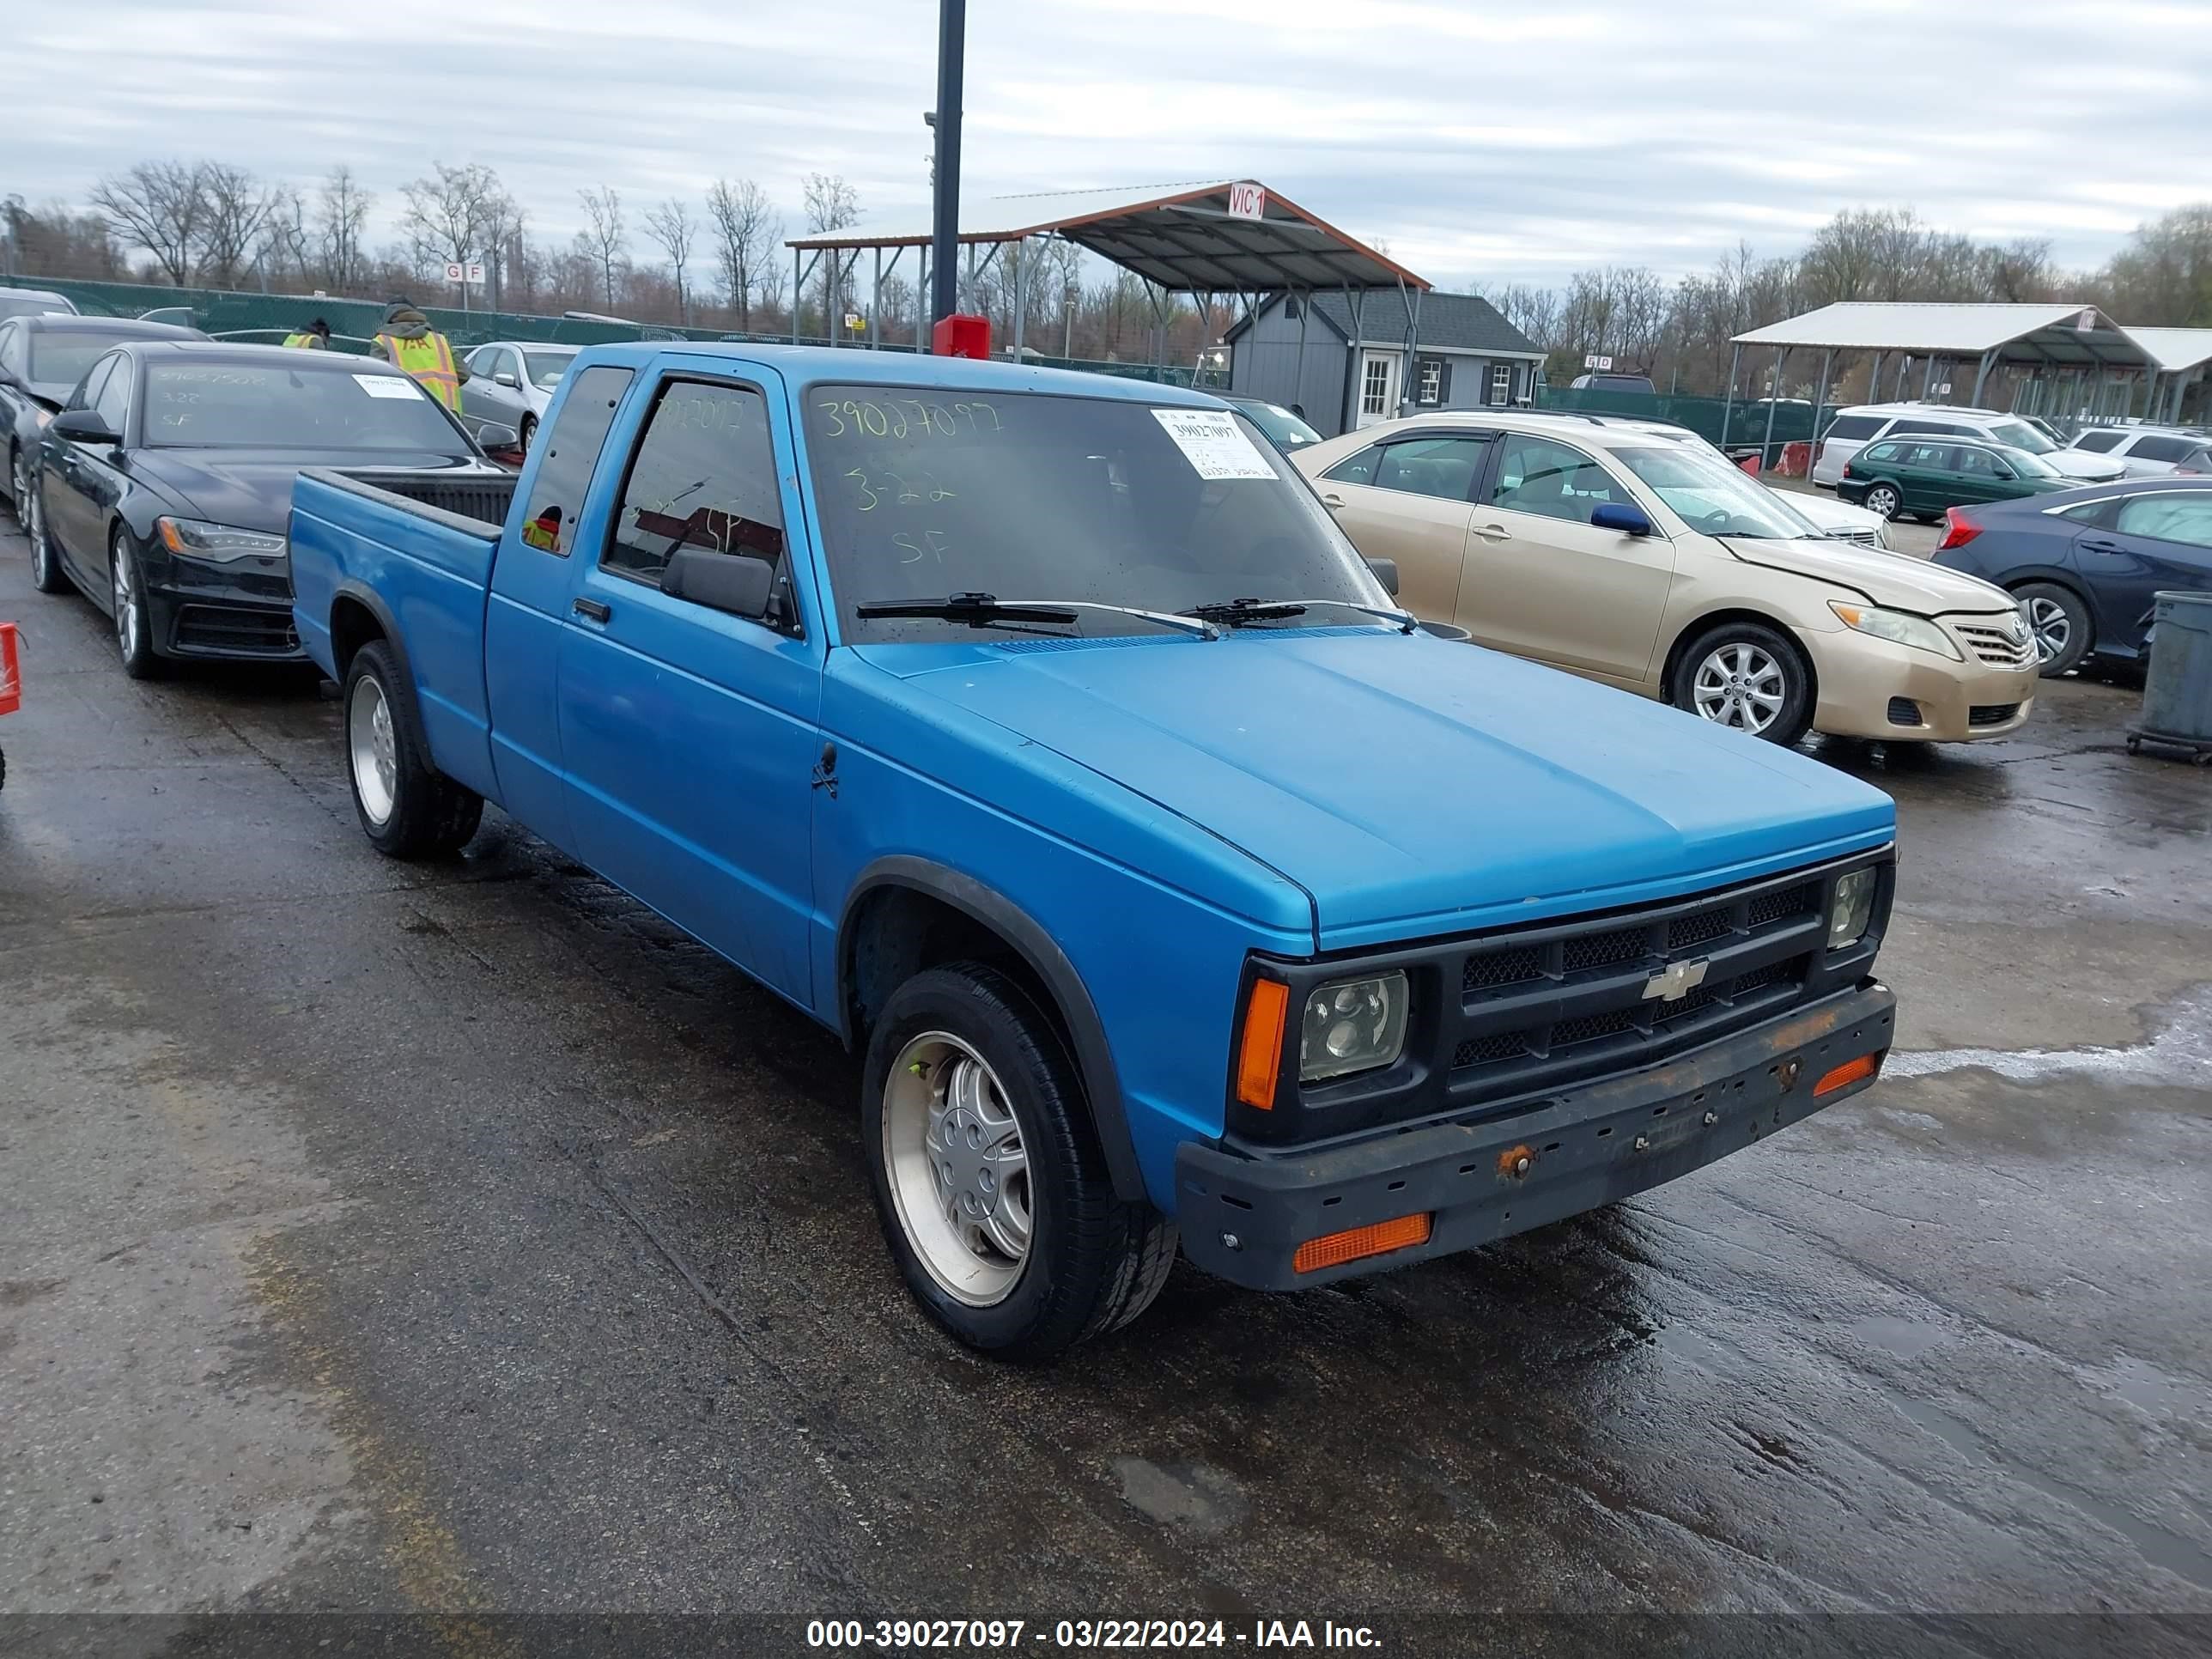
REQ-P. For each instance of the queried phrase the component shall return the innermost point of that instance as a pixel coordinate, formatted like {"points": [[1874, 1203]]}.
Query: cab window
{"points": [[1536, 474], [1443, 467], [703, 476], [570, 451]]}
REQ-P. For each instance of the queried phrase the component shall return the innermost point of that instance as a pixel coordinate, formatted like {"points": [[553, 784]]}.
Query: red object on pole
{"points": [[961, 335], [11, 680]]}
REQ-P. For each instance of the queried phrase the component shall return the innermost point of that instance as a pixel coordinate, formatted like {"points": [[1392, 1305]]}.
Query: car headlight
{"points": [[1898, 626], [1881, 535], [217, 544], [1352, 1025], [1850, 912]]}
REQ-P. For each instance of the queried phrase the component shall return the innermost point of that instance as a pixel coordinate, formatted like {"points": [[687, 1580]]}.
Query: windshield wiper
{"points": [[981, 610], [1236, 612]]}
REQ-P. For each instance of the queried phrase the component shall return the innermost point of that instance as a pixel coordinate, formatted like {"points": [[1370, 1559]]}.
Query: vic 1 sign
{"points": [[1247, 202], [472, 273]]}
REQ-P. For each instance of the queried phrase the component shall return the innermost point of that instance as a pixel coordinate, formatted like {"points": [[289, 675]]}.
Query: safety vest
{"points": [[311, 342], [429, 360]]}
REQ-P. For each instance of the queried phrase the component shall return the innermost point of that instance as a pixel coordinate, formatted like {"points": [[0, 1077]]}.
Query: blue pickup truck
{"points": [[1040, 733]]}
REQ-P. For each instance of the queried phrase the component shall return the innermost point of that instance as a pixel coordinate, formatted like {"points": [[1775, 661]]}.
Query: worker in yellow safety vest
{"points": [[408, 342], [316, 336]]}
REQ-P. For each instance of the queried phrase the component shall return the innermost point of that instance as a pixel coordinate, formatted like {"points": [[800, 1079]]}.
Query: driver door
{"points": [[1542, 581]]}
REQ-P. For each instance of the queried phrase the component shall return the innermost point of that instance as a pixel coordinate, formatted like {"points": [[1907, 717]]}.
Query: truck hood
{"points": [[1896, 580], [252, 488], [1409, 785]]}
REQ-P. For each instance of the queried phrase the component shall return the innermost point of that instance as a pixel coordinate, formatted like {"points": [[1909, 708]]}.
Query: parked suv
{"points": [[1607, 549], [2150, 452], [1863, 424]]}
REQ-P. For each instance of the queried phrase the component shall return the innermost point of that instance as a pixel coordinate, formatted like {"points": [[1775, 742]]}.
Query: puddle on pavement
{"points": [[2179, 1054]]}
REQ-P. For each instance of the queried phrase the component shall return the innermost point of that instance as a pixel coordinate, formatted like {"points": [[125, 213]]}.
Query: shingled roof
{"points": [[1448, 322]]}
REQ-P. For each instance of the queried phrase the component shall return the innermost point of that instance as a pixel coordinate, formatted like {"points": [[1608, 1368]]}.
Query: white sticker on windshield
{"points": [[386, 385], [1212, 442]]}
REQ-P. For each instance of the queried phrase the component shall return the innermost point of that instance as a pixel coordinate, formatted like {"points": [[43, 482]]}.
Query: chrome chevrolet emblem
{"points": [[1675, 981]]}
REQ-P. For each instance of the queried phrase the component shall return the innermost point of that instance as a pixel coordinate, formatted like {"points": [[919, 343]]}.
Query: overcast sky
{"points": [[1483, 141]]}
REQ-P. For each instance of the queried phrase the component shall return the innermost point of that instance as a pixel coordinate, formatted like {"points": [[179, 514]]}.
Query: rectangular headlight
{"points": [[1352, 1025], [1852, 909]]}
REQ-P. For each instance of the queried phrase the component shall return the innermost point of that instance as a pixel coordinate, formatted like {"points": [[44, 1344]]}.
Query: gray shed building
{"points": [[1345, 365]]}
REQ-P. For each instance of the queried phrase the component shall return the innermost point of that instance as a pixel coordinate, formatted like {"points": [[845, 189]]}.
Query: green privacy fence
{"points": [[1746, 423], [268, 318]]}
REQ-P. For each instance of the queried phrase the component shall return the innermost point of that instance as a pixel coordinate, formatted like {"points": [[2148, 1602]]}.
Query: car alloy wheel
{"points": [[1885, 499], [959, 1172], [42, 552], [372, 750], [1740, 685], [2052, 627], [19, 486], [127, 621]]}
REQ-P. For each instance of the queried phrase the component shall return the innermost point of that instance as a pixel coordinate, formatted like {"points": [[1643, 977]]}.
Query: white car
{"points": [[1854, 429], [2149, 451], [511, 382]]}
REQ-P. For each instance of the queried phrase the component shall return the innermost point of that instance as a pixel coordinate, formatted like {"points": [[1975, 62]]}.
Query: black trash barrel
{"points": [[2177, 685]]}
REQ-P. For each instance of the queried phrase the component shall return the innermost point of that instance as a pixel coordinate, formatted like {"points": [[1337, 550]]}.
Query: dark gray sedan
{"points": [[43, 356]]}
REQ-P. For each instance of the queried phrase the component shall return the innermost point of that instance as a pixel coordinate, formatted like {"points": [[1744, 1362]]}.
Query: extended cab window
{"points": [[1535, 475], [570, 452], [704, 477]]}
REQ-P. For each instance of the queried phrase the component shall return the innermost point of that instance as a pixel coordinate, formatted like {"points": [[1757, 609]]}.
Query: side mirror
{"points": [[721, 582], [505, 377], [1386, 571], [82, 426], [1618, 515], [492, 436]]}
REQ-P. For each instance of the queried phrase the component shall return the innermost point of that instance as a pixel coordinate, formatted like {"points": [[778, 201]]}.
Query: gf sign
{"points": [[1247, 200]]}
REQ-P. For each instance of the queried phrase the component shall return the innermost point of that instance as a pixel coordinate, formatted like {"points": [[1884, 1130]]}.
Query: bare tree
{"points": [[286, 241], [672, 225], [604, 238], [831, 205], [238, 206], [747, 230], [506, 222], [448, 211], [342, 208], [161, 207]]}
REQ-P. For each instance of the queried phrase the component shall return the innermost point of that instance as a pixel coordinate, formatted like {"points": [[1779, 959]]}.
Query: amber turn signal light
{"points": [[1259, 1057], [1378, 1239], [1850, 1072]]}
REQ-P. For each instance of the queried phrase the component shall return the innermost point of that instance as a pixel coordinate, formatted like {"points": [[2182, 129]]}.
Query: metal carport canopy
{"points": [[1182, 238], [2175, 350], [2015, 333]]}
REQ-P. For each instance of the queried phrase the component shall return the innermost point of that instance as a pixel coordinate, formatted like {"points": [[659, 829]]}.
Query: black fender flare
{"points": [[1094, 1059], [352, 587]]}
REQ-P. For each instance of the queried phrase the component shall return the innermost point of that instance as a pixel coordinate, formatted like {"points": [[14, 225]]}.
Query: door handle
{"points": [[2100, 545], [592, 609], [1493, 533], [1333, 503]]}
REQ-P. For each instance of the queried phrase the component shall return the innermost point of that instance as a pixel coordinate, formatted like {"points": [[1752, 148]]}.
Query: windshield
{"points": [[2030, 465], [2019, 434], [270, 406], [1029, 495], [1711, 496], [63, 356], [545, 369], [1285, 429]]}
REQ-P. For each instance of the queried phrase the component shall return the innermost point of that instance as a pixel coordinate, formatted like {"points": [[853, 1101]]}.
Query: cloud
{"points": [[1486, 140]]}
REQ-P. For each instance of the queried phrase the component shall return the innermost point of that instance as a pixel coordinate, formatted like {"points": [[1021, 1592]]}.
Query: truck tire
{"points": [[988, 1178], [1749, 676], [408, 808]]}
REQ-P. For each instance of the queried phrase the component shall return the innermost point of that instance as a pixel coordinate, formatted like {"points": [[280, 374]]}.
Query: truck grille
{"points": [[1552, 1004], [1994, 645]]}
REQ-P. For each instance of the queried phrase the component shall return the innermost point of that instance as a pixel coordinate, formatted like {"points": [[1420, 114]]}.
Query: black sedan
{"points": [[2086, 563], [42, 357], [163, 489]]}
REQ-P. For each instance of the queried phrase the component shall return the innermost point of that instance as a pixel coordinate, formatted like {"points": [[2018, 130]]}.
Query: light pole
{"points": [[945, 229]]}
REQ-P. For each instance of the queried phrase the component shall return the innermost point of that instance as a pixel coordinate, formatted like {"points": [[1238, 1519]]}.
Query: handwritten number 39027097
{"points": [[852, 418]]}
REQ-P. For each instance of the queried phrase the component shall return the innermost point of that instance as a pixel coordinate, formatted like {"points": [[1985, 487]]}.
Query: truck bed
{"points": [[416, 549]]}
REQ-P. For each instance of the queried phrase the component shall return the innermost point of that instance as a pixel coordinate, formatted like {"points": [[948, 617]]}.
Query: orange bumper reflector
{"points": [[1261, 1058], [170, 540], [1850, 1072], [1384, 1236]]}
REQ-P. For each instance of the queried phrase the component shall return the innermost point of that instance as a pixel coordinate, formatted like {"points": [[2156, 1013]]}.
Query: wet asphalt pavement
{"points": [[464, 1240]]}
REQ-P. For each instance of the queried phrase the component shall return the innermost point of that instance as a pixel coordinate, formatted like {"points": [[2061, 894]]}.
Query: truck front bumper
{"points": [[1244, 1216]]}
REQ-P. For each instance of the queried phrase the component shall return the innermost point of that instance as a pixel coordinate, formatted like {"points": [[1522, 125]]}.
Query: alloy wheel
{"points": [[34, 528], [124, 586], [1883, 499], [2053, 629], [959, 1170], [371, 750], [1740, 685]]}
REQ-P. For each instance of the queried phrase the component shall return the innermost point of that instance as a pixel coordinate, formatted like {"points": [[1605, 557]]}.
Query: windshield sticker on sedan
{"points": [[1212, 441], [386, 385]]}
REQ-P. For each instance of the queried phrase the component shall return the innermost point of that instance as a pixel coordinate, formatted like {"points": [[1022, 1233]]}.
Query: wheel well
{"points": [[2088, 610], [897, 932], [353, 625], [1704, 624]]}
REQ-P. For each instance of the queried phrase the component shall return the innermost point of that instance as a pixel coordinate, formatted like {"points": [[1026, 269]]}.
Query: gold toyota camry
{"points": [[1639, 556]]}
